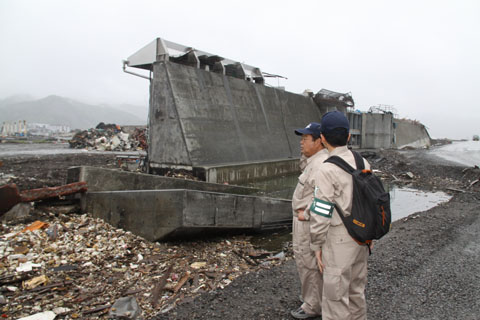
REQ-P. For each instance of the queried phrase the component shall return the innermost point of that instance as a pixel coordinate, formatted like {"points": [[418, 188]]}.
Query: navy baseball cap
{"points": [[313, 128], [334, 119]]}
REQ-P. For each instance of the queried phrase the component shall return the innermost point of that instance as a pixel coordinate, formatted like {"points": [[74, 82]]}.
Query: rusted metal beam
{"points": [[10, 196], [51, 192]]}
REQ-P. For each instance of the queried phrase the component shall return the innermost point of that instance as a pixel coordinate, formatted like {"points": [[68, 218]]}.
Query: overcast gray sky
{"points": [[422, 57]]}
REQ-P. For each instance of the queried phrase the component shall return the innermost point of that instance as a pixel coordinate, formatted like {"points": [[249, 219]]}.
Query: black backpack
{"points": [[371, 216]]}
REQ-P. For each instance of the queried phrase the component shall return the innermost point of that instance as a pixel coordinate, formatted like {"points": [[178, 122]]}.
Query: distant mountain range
{"points": [[55, 110]]}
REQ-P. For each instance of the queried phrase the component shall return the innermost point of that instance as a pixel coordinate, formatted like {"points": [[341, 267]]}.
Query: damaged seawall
{"points": [[200, 119], [208, 122]]}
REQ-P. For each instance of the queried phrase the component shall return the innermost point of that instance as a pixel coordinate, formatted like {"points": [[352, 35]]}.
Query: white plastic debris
{"points": [[17, 256], [123, 136], [27, 266], [46, 315], [59, 310], [115, 142]]}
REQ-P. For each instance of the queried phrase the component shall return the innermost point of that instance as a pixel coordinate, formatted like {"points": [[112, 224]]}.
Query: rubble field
{"points": [[77, 267], [65, 265], [55, 259]]}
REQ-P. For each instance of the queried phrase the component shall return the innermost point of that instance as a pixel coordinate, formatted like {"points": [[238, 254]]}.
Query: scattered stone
{"points": [[126, 308]]}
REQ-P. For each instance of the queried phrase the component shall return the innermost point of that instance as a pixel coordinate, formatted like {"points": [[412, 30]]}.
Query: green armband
{"points": [[322, 208]]}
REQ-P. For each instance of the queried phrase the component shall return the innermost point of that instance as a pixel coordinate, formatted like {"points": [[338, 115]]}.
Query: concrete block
{"points": [[17, 213], [160, 214]]}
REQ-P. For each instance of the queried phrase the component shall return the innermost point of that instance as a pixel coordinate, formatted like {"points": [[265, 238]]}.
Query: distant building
{"points": [[14, 128], [43, 129]]}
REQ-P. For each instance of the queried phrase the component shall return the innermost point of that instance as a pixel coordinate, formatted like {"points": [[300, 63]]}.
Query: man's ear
{"points": [[323, 140], [349, 136]]}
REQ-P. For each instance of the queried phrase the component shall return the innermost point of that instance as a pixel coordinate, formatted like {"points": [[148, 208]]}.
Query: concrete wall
{"points": [[250, 172], [409, 133], [201, 118], [384, 131], [377, 130]]}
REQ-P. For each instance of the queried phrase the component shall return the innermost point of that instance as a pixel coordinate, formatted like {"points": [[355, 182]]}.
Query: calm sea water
{"points": [[465, 153], [41, 149]]}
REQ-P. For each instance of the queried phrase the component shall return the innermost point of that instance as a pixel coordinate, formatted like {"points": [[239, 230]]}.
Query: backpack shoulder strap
{"points": [[358, 160], [336, 160]]}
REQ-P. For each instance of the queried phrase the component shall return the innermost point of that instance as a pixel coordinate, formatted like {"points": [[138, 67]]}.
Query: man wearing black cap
{"points": [[313, 155], [342, 261]]}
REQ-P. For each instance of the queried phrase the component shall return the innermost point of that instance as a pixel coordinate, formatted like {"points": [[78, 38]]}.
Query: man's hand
{"points": [[301, 216], [318, 255]]}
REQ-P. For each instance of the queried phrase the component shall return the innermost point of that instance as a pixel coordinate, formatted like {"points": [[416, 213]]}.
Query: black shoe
{"points": [[301, 314]]}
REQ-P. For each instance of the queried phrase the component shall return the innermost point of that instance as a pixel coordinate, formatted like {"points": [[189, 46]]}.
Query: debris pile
{"points": [[181, 174], [74, 266], [109, 137]]}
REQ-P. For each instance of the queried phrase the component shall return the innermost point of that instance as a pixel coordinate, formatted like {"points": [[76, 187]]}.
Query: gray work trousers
{"points": [[310, 276]]}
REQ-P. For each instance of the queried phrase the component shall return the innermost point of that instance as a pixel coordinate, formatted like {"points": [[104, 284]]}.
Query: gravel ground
{"points": [[427, 267]]}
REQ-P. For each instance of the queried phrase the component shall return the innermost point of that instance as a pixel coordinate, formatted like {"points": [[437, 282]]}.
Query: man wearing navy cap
{"points": [[341, 260], [313, 155]]}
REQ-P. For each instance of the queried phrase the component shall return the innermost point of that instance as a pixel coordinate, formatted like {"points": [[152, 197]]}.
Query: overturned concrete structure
{"points": [[159, 208]]}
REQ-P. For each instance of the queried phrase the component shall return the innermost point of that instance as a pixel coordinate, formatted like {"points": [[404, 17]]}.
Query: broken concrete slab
{"points": [[17, 213], [101, 179], [161, 214]]}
